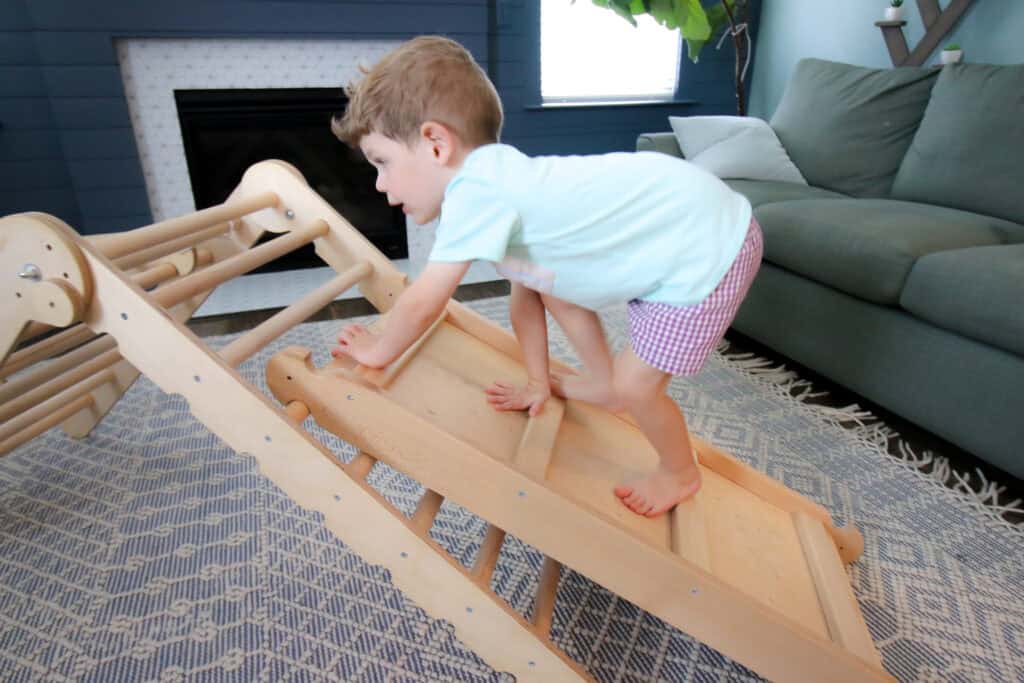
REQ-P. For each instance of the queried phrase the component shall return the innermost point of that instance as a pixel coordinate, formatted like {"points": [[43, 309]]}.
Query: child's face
{"points": [[410, 176]]}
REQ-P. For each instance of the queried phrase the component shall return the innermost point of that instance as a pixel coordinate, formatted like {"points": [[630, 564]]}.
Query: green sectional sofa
{"points": [[898, 271]]}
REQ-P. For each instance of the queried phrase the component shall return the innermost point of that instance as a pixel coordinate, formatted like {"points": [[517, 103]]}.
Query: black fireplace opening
{"points": [[227, 131]]}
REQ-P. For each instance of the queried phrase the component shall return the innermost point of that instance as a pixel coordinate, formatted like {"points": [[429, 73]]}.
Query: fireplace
{"points": [[227, 130]]}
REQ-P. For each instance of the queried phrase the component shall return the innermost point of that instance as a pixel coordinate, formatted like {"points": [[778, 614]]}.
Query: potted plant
{"points": [[894, 12], [698, 25], [951, 54]]}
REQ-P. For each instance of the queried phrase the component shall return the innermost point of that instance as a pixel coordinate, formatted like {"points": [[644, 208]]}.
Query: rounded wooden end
{"points": [[849, 541]]}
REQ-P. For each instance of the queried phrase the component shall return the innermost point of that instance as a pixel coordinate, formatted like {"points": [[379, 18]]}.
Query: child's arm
{"points": [[416, 308], [530, 324]]}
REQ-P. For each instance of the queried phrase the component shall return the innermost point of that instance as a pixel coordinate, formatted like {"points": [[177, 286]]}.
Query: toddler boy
{"points": [[573, 234]]}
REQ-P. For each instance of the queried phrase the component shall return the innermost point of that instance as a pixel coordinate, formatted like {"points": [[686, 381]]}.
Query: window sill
{"points": [[603, 105]]}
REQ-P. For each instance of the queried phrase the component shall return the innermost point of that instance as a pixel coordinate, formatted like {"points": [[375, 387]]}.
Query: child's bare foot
{"points": [[660, 491], [505, 396], [585, 388]]}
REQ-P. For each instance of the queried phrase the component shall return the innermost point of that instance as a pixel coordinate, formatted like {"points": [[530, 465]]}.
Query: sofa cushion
{"points": [[967, 151], [847, 127], [974, 292], [760, 192], [866, 247]]}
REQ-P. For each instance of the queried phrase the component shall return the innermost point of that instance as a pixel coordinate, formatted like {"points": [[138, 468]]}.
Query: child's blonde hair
{"points": [[429, 78]]}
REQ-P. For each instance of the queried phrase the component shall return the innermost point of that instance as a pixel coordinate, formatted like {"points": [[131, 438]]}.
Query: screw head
{"points": [[30, 271], [289, 214]]}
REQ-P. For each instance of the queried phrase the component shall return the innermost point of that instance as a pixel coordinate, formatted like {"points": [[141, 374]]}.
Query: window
{"points": [[590, 54]]}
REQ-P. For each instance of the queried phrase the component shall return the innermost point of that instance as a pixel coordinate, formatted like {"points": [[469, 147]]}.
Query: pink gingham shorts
{"points": [[678, 339]]}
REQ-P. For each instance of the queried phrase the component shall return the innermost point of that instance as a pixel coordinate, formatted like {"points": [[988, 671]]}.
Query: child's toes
{"points": [[623, 491]]}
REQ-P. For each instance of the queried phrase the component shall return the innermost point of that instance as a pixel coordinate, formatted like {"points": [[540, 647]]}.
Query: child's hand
{"points": [[504, 396], [358, 343]]}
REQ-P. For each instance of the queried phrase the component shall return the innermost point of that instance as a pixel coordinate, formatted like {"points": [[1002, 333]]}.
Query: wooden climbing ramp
{"points": [[747, 566]]}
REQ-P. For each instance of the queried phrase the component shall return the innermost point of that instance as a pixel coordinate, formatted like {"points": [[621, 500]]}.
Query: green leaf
{"points": [[692, 19], [664, 13]]}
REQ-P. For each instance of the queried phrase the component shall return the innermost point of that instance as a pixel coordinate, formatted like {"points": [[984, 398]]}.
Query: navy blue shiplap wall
{"points": [[66, 143]]}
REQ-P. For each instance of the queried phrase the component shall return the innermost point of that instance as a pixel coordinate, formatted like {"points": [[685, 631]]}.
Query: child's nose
{"points": [[380, 184]]}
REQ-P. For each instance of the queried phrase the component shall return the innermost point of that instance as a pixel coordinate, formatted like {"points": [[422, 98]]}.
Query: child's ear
{"points": [[441, 140]]}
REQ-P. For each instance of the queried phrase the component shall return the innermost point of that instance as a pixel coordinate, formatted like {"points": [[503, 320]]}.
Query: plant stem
{"points": [[741, 104]]}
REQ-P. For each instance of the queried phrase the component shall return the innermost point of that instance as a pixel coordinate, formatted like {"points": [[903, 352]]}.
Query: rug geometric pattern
{"points": [[149, 551]]}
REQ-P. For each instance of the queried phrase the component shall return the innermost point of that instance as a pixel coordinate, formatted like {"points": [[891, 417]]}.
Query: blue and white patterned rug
{"points": [[150, 552]]}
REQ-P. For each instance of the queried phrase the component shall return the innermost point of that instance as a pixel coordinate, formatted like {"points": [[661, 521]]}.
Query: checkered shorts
{"points": [[678, 339]]}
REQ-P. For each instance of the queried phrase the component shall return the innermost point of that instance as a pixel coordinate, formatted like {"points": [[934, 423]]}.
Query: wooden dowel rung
{"points": [[138, 258], [423, 518], [116, 245], [487, 556], [538, 441], [297, 410], [544, 601], [269, 330], [47, 348], [361, 465], [51, 420], [208, 278], [54, 403], [18, 389], [835, 595]]}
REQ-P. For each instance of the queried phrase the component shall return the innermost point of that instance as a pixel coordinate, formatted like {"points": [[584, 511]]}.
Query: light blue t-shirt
{"points": [[594, 230]]}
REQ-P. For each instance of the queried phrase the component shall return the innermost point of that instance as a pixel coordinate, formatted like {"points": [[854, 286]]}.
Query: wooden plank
{"points": [[56, 417], [538, 442], [838, 603], [689, 534]]}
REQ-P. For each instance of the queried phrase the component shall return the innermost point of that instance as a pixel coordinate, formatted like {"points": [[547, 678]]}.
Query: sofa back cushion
{"points": [[847, 127], [967, 152]]}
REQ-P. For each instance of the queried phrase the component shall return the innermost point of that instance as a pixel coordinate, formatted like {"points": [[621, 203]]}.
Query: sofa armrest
{"points": [[659, 142]]}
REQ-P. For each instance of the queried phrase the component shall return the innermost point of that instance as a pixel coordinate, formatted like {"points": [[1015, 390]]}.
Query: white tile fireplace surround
{"points": [[153, 68]]}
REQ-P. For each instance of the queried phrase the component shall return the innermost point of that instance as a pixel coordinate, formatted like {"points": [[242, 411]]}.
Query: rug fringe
{"points": [[870, 429]]}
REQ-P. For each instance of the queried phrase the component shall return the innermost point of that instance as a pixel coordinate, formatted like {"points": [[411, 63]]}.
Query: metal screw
{"points": [[694, 591], [289, 214], [30, 271]]}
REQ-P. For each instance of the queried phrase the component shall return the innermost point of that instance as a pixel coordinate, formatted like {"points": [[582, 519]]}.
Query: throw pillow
{"points": [[847, 127], [967, 152], [734, 147]]}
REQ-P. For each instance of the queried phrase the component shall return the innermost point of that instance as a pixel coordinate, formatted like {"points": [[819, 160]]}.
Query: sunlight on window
{"points": [[588, 53]]}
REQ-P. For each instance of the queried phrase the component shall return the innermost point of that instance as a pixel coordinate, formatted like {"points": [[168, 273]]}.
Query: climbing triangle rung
{"points": [[487, 556], [236, 265], [116, 245], [361, 465], [544, 600], [427, 509], [282, 321]]}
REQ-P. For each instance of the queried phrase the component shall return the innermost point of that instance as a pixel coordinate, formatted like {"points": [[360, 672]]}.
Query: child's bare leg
{"points": [[585, 333], [642, 390]]}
